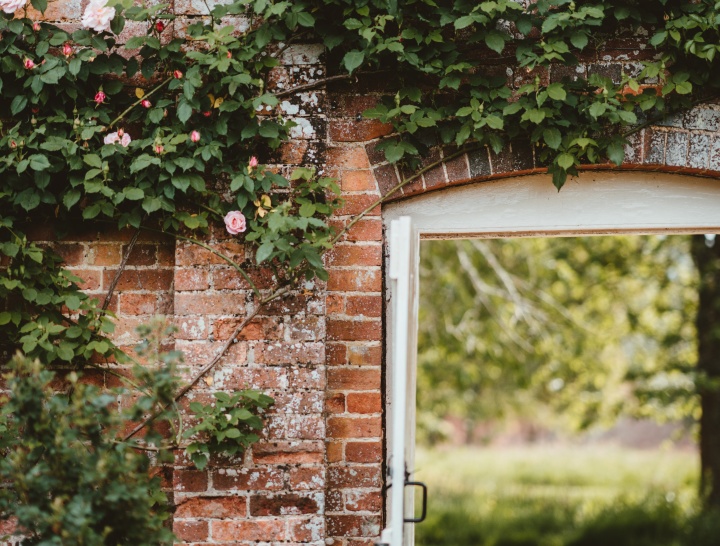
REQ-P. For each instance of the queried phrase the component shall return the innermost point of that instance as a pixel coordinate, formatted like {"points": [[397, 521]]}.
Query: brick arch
{"points": [[687, 144]]}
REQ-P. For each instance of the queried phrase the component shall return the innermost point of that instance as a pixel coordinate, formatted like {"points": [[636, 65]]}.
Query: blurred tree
{"points": [[591, 328], [706, 255]]}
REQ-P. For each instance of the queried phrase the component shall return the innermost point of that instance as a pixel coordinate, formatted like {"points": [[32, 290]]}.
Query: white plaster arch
{"points": [[595, 203]]}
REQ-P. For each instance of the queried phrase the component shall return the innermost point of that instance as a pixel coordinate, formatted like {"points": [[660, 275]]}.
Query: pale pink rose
{"points": [[253, 162], [117, 138], [11, 6], [195, 136], [97, 16], [235, 222]]}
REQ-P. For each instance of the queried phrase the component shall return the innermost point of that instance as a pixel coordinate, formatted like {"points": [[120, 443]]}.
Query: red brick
{"points": [[190, 481], [356, 379], [334, 304], [345, 130], [307, 530], [364, 501], [368, 306], [210, 304], [364, 402], [72, 254], [248, 479], [212, 507], [138, 304], [191, 254], [363, 355], [351, 330], [191, 531], [191, 279], [288, 452], [260, 530], [355, 255], [357, 181], [90, 279], [106, 254], [334, 452], [282, 504], [335, 403], [141, 254], [354, 476], [357, 204], [367, 229], [353, 526], [355, 280], [140, 279], [354, 427], [336, 354], [348, 158], [363, 452], [262, 328], [307, 478]]}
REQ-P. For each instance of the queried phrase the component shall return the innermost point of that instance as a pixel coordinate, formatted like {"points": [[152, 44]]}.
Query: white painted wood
{"points": [[402, 275], [594, 203]]}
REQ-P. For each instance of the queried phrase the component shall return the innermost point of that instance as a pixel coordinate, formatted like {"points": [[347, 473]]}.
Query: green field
{"points": [[562, 496]]}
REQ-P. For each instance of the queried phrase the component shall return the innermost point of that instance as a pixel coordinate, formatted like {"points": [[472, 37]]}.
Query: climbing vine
{"points": [[175, 130]]}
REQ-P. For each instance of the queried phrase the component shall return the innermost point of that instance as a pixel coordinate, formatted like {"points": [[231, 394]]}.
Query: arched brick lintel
{"points": [[655, 149]]}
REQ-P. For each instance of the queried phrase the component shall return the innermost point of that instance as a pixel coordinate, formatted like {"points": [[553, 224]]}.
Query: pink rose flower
{"points": [[145, 103], [11, 6], [97, 16], [253, 162], [178, 74], [36, 26], [119, 137], [100, 97], [235, 222], [195, 136], [29, 64], [159, 148], [67, 49]]}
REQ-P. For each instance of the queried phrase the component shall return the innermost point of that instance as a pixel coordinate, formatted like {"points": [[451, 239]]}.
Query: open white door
{"points": [[404, 247]]}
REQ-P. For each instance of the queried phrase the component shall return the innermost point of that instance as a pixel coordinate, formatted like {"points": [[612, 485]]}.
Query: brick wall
{"points": [[317, 475]]}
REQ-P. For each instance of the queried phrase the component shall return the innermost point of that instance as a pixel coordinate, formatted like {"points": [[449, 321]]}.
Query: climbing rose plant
{"points": [[163, 132]]}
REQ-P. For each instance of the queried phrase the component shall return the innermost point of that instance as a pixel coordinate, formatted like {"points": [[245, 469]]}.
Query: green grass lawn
{"points": [[562, 496]]}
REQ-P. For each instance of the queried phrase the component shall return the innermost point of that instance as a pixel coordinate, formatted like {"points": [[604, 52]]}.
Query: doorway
{"points": [[595, 203]]}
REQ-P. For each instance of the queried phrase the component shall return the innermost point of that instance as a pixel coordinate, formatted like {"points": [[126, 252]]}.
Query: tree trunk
{"points": [[707, 260]]}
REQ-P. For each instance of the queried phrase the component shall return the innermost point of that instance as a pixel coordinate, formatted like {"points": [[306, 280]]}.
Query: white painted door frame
{"points": [[596, 203]]}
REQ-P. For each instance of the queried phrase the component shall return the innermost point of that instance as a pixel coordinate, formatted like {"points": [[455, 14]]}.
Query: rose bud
{"points": [[100, 97], [207, 114], [120, 132], [145, 103], [178, 74], [67, 50], [36, 26], [159, 148], [13, 144], [229, 54], [253, 162], [35, 109], [195, 136], [159, 26], [29, 64]]}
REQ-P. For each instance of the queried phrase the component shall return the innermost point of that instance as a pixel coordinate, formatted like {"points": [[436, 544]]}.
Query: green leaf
{"points": [[496, 41], [597, 109], [616, 152], [18, 104], [566, 161], [556, 91], [352, 60], [264, 252], [93, 160], [552, 138], [39, 162], [683, 88], [40, 5], [133, 194]]}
